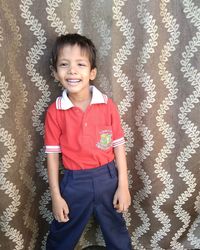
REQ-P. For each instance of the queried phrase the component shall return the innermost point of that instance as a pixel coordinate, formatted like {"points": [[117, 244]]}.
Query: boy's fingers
{"points": [[65, 213], [118, 208], [121, 208], [63, 217]]}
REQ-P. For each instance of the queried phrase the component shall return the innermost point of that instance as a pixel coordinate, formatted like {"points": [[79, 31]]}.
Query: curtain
{"points": [[148, 62]]}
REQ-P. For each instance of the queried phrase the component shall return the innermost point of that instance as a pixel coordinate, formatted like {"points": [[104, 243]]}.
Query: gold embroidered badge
{"points": [[105, 139]]}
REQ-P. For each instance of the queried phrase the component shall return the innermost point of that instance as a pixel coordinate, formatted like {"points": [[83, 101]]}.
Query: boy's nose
{"points": [[72, 69]]}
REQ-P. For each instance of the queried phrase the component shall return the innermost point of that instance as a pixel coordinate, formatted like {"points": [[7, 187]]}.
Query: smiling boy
{"points": [[84, 125]]}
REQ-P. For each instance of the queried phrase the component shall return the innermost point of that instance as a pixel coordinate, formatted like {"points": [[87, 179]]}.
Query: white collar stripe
{"points": [[64, 103], [58, 103]]}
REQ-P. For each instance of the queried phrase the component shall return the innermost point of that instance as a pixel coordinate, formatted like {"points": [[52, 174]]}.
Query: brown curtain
{"points": [[149, 63]]}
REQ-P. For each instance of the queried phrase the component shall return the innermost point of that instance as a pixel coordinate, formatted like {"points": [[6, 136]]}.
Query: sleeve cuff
{"points": [[118, 142], [52, 149]]}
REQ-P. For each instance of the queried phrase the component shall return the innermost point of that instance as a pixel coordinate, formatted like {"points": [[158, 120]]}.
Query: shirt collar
{"points": [[63, 102]]}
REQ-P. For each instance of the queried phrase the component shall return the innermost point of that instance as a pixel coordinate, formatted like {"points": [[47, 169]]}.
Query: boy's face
{"points": [[74, 70]]}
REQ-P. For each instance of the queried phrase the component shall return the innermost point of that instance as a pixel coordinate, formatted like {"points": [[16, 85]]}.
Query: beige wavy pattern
{"points": [[5, 95], [29, 222], [1, 35], [125, 27], [8, 188], [55, 21], [122, 55], [75, 19], [11, 233], [34, 55], [166, 129], [192, 235], [142, 110], [148, 62], [103, 31], [191, 130]]}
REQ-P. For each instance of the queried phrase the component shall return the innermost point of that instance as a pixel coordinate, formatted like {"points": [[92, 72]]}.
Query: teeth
{"points": [[73, 81]]}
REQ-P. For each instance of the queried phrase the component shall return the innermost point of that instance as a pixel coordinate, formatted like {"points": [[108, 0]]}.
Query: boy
{"points": [[84, 125]]}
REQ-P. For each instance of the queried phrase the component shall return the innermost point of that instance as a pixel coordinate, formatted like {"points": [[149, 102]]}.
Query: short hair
{"points": [[74, 39]]}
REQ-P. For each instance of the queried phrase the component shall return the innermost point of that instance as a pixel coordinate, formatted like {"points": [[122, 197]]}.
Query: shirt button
{"points": [[85, 124]]}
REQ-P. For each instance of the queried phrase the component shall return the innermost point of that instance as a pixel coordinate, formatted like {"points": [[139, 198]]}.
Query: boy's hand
{"points": [[122, 199], [60, 209]]}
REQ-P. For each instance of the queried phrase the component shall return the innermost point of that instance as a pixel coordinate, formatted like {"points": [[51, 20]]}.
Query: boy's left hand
{"points": [[122, 199]]}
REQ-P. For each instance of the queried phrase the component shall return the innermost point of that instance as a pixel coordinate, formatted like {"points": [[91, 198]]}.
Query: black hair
{"points": [[74, 39]]}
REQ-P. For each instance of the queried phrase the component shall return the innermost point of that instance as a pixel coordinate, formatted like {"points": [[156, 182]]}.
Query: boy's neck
{"points": [[81, 101]]}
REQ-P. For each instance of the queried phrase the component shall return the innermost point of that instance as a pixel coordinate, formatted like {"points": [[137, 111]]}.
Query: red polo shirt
{"points": [[85, 139]]}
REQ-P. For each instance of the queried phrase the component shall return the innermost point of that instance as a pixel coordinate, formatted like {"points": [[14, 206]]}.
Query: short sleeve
{"points": [[52, 131], [118, 134]]}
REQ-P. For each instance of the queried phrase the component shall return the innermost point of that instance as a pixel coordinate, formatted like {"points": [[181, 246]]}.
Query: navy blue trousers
{"points": [[90, 192]]}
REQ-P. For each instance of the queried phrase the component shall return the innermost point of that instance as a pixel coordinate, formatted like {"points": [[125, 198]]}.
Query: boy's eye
{"points": [[82, 64], [64, 64]]}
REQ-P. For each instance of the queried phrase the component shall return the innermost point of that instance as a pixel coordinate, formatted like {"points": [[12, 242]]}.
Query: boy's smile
{"points": [[74, 71]]}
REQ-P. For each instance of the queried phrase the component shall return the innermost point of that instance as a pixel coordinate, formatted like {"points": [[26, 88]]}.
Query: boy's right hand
{"points": [[60, 209]]}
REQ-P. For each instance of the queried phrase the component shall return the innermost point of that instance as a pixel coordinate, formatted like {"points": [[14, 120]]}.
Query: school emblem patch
{"points": [[105, 139]]}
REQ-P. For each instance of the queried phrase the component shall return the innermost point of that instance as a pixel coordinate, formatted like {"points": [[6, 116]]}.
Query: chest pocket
{"points": [[104, 137]]}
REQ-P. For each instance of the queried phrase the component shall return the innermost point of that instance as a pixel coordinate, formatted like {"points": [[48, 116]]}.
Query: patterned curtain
{"points": [[148, 62]]}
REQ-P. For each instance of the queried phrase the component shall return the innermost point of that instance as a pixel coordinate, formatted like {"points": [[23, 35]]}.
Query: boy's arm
{"points": [[59, 205], [122, 199]]}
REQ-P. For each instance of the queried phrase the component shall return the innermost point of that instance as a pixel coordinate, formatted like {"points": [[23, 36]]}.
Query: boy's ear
{"points": [[93, 74]]}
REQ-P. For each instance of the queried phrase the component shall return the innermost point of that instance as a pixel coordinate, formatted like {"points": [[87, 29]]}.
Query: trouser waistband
{"points": [[94, 172]]}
